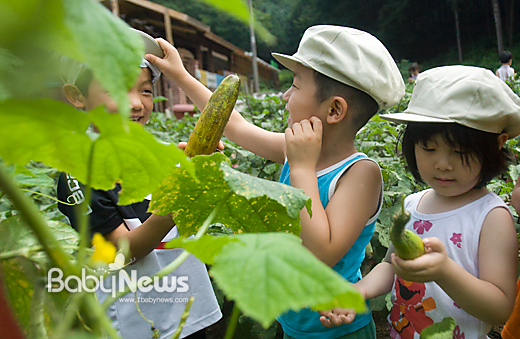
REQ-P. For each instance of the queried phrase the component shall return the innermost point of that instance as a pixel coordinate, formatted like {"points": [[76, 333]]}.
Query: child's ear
{"points": [[74, 95], [502, 138], [337, 110]]}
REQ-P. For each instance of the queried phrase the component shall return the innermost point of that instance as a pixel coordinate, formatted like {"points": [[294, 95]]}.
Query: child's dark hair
{"points": [[505, 56], [482, 146], [414, 67], [362, 104]]}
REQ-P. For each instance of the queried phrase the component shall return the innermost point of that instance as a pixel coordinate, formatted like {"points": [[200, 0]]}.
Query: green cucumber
{"points": [[408, 245], [213, 119]]}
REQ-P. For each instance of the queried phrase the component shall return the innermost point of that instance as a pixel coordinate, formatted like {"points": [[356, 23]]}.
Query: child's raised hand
{"points": [[182, 145], [303, 143], [337, 317], [428, 267], [171, 65]]}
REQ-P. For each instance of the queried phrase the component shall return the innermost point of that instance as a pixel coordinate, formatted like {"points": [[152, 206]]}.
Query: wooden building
{"points": [[205, 55]]}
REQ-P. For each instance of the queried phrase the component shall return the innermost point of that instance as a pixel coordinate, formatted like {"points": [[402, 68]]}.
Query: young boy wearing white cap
{"points": [[342, 76], [458, 120], [145, 232]]}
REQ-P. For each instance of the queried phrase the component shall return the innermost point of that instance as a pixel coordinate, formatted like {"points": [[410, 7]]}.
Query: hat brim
{"points": [[150, 45], [289, 61], [403, 118]]}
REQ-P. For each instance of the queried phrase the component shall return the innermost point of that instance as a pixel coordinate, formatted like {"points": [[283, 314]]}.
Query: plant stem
{"points": [[46, 196], [37, 321], [67, 321], [232, 322], [99, 313], [83, 208], [21, 252], [184, 317], [26, 252], [181, 258], [33, 218]]}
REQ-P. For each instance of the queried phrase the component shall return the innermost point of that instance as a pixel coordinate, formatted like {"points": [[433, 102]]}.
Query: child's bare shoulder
{"points": [[362, 179], [363, 170]]}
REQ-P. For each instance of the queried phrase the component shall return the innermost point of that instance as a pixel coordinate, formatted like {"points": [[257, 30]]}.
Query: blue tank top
{"points": [[306, 323]]}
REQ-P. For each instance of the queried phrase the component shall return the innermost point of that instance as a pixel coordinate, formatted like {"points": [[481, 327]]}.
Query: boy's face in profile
{"points": [[140, 95], [301, 96]]}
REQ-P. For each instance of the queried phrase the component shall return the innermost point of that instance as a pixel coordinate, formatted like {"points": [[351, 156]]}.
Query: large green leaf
{"points": [[19, 289], [56, 137], [15, 236], [251, 187], [59, 139], [205, 248], [23, 271], [26, 21], [106, 43], [41, 180], [133, 157], [28, 30], [255, 205], [270, 273]]}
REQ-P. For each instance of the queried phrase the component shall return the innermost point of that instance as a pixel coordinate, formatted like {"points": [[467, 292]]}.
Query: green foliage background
{"points": [[422, 31]]}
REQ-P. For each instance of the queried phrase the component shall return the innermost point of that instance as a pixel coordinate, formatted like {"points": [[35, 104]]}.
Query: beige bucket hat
{"points": [[467, 95], [352, 57]]}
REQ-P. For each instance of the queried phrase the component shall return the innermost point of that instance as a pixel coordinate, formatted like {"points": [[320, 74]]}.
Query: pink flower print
{"points": [[421, 225], [457, 334], [457, 239], [455, 304]]}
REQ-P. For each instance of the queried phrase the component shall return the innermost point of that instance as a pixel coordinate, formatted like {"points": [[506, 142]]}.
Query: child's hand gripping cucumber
{"points": [[210, 126], [408, 245]]}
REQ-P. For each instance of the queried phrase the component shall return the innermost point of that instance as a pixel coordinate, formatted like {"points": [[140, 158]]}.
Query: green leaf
{"points": [[278, 268], [15, 236], [133, 157], [251, 187], [25, 21], [20, 169], [130, 156], [41, 180], [255, 205], [442, 330], [57, 138], [18, 288], [205, 248], [106, 43]]}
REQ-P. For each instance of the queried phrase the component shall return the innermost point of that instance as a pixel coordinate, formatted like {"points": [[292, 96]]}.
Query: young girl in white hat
{"points": [[458, 120]]}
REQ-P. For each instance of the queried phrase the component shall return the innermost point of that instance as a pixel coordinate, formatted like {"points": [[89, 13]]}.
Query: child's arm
{"points": [[266, 144], [143, 239], [489, 297], [331, 232], [377, 282]]}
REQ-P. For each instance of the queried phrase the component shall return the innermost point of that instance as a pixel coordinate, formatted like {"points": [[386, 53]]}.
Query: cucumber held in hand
{"points": [[408, 245], [210, 126]]}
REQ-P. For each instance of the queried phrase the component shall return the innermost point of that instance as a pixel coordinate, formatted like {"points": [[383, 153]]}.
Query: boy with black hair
{"points": [[341, 77], [146, 233]]}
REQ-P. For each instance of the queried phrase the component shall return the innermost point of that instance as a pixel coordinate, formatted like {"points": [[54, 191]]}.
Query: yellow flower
{"points": [[103, 250]]}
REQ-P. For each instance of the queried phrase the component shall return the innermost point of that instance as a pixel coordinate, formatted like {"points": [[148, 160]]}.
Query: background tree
{"points": [[455, 7], [498, 25]]}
